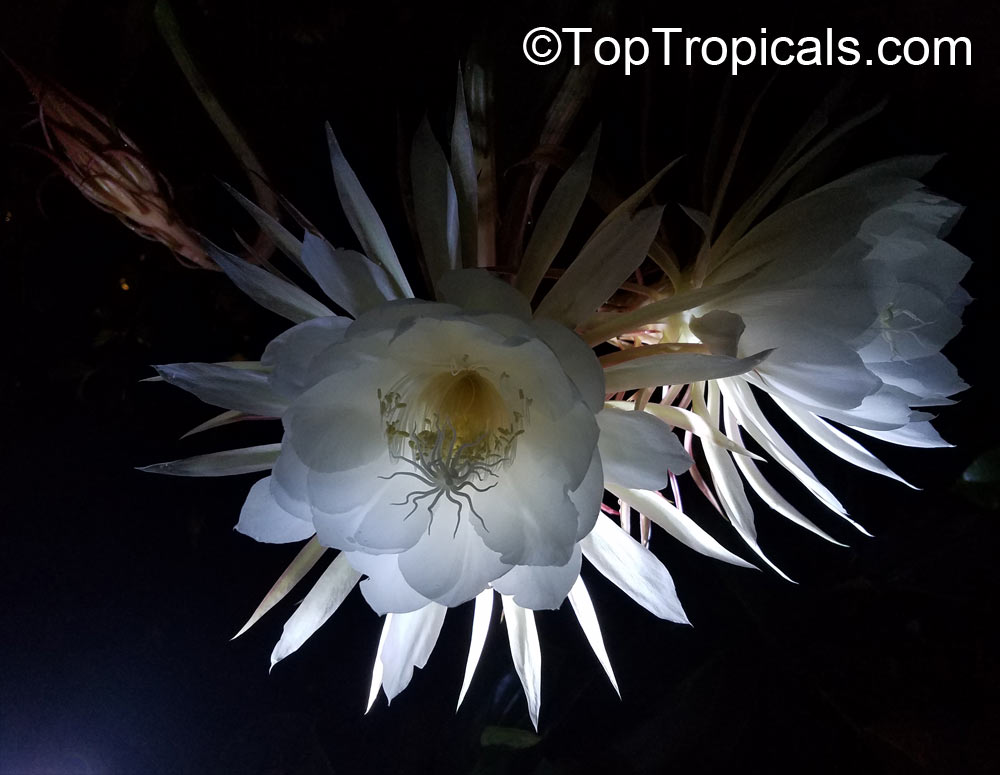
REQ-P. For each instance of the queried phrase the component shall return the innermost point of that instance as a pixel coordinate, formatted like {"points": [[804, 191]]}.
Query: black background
{"points": [[121, 590]]}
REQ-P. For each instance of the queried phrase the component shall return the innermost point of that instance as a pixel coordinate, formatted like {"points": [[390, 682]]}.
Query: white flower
{"points": [[448, 449], [852, 293]]}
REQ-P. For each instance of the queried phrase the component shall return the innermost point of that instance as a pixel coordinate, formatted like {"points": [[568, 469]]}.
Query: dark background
{"points": [[121, 590]]}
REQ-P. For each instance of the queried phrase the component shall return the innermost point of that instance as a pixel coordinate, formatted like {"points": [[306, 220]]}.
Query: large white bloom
{"points": [[450, 450], [852, 292]]}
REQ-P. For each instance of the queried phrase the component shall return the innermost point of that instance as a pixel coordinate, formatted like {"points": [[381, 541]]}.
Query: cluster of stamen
{"points": [[457, 432]]}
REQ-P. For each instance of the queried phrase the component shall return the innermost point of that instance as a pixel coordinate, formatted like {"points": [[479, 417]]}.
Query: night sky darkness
{"points": [[121, 590]]}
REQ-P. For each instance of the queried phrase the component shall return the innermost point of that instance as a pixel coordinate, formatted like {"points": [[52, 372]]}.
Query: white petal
{"points": [[281, 237], [291, 353], [819, 371], [377, 669], [744, 406], [336, 425], [408, 644], [233, 461], [720, 330], [583, 607], [264, 520], [319, 605], [363, 217], [353, 282], [435, 204], [587, 497], [304, 561], [604, 263], [476, 290], [557, 217], [728, 485], [244, 390], [689, 421], [577, 360], [450, 564], [676, 369], [540, 587], [768, 493], [665, 514], [269, 291], [526, 653], [914, 434], [219, 420], [639, 450], [840, 444], [480, 628], [634, 569], [385, 590]]}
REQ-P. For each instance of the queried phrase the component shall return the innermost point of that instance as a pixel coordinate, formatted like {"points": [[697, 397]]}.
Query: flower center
{"points": [[457, 430]]}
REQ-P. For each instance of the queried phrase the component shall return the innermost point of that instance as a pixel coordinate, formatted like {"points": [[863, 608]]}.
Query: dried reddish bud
{"points": [[110, 170]]}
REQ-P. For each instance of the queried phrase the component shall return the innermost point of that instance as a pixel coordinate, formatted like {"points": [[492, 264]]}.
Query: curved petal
{"points": [[639, 450], [480, 627], [476, 290], [266, 289], [352, 281], [540, 587], [264, 520], [230, 387], [522, 635], [410, 639], [450, 564], [229, 463], [634, 569], [291, 353], [319, 605]]}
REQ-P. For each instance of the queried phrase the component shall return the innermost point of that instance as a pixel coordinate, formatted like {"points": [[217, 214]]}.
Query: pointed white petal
{"points": [[638, 450], [408, 644], [269, 291], [435, 203], [319, 605], [243, 390], [557, 217], [583, 607], [689, 421], [377, 669], [264, 520], [526, 653], [604, 263], [665, 514], [839, 443], [228, 463], [281, 237], [363, 217], [767, 493], [728, 484], [676, 369], [352, 282], [304, 561], [634, 569], [913, 434], [215, 422], [744, 406], [480, 627]]}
